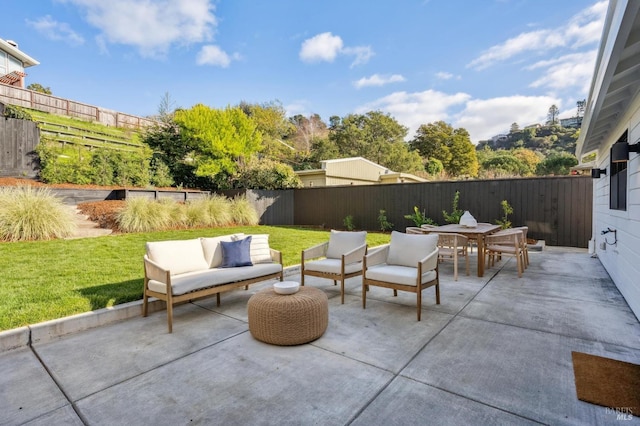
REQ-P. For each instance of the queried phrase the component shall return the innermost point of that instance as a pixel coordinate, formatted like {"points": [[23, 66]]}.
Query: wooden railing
{"points": [[12, 95]]}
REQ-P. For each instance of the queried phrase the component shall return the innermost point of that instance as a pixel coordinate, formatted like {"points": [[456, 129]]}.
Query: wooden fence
{"points": [[12, 95], [18, 140], [556, 209]]}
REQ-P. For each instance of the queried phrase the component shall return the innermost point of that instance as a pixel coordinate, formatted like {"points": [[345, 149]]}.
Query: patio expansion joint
{"points": [[57, 383]]}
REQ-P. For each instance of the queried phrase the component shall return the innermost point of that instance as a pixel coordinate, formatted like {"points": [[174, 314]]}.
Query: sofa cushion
{"points": [[341, 242], [409, 249], [260, 252], [236, 253], [191, 281], [179, 256], [213, 250]]}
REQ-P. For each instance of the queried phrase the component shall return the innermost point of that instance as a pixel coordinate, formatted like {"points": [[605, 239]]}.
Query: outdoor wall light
{"points": [[596, 173], [620, 151]]}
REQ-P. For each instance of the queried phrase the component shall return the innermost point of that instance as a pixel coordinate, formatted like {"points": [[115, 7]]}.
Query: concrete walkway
{"points": [[496, 351]]}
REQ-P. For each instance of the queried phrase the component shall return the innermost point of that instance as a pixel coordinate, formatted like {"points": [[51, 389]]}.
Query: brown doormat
{"points": [[607, 382]]}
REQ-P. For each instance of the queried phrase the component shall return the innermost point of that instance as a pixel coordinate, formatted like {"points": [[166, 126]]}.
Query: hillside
{"points": [[542, 139]]}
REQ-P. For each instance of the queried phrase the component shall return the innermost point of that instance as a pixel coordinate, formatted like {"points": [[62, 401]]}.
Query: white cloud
{"points": [[322, 47], [568, 71], [414, 109], [150, 26], [362, 54], [213, 55], [583, 29], [484, 118], [444, 75], [378, 80], [325, 47], [54, 30]]}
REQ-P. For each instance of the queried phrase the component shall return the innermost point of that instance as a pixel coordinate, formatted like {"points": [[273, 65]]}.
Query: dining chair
{"points": [[452, 247], [507, 242]]}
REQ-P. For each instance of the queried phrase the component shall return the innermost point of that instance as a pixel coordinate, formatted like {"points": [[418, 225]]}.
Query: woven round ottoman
{"points": [[288, 319]]}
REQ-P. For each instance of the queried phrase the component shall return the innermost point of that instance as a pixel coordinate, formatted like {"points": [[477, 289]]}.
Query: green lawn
{"points": [[45, 280]]}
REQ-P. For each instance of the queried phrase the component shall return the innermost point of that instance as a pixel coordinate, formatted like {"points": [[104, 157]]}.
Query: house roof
{"points": [[12, 77], [616, 80], [27, 60]]}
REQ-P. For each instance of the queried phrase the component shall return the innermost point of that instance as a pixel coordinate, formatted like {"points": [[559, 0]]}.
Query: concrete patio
{"points": [[496, 351]]}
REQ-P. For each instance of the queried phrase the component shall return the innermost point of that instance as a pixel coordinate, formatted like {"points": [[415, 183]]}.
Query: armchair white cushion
{"points": [[408, 263], [342, 254]]}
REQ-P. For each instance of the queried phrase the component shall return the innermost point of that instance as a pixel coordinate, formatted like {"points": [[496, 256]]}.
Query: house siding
{"points": [[621, 260]]}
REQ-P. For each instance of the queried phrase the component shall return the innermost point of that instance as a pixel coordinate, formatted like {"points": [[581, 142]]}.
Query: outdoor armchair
{"points": [[408, 263], [342, 258]]}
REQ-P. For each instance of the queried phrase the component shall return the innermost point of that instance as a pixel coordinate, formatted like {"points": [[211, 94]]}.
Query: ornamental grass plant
{"points": [[28, 213], [243, 212]]}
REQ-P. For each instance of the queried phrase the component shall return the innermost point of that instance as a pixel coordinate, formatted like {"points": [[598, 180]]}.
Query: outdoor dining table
{"points": [[477, 233]]}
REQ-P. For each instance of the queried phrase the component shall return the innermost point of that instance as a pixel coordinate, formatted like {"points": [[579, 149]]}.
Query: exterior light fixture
{"points": [[620, 151], [596, 173]]}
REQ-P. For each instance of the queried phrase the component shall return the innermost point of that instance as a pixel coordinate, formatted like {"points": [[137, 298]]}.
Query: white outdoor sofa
{"points": [[183, 270]]}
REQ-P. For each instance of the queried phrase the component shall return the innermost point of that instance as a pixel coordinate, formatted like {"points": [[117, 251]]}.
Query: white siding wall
{"points": [[622, 260]]}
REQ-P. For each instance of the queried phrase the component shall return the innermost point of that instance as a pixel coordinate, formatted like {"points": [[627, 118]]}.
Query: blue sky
{"points": [[480, 64]]}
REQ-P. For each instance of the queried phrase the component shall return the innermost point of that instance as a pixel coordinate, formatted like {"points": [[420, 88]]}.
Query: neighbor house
{"points": [[611, 131], [353, 171], [12, 63]]}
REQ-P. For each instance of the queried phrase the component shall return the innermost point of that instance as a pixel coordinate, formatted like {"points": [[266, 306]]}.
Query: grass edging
{"points": [[25, 336]]}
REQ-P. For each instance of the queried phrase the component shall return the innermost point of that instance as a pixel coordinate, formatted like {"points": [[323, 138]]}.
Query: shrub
{"points": [[218, 208], [385, 225], [505, 223], [143, 215], [419, 217], [27, 213], [349, 223], [243, 212], [197, 213], [456, 213]]}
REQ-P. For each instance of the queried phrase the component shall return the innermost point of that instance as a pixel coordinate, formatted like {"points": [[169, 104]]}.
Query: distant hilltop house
{"points": [[353, 171], [573, 122], [12, 63]]}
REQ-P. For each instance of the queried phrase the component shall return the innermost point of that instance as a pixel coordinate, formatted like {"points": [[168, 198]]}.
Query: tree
{"points": [[265, 174], [271, 121], [219, 139], [453, 147], [552, 115], [37, 87], [557, 163], [308, 130], [375, 136]]}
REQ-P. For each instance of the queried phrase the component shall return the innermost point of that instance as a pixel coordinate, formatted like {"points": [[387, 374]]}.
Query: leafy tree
{"points": [[502, 163], [36, 87], [219, 139], [375, 136], [265, 174], [434, 167], [557, 163], [453, 147], [271, 121], [529, 159]]}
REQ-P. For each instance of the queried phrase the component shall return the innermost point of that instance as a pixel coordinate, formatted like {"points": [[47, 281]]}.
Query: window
{"points": [[3, 63], [15, 64], [618, 181]]}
